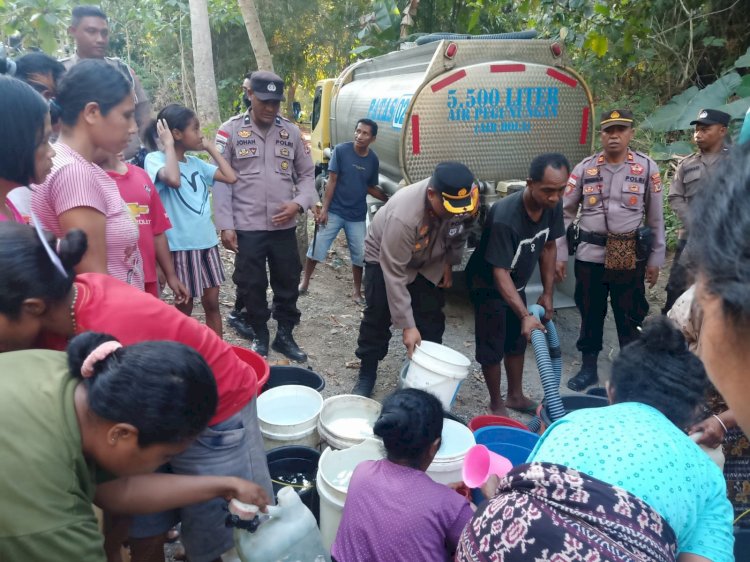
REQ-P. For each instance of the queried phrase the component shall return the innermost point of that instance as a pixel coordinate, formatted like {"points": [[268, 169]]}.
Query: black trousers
{"points": [[427, 301], [279, 249], [627, 291], [679, 277]]}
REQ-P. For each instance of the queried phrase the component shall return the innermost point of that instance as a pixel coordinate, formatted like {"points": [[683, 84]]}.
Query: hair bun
{"points": [[388, 425], [72, 247], [660, 335]]}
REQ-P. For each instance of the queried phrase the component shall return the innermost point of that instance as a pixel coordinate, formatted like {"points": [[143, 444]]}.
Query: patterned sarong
{"points": [[547, 512]]}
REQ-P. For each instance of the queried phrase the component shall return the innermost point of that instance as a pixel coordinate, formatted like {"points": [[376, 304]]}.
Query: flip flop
{"points": [[530, 410]]}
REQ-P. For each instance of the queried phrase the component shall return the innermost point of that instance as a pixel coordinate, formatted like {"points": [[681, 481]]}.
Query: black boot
{"points": [[368, 373], [260, 341], [284, 343], [587, 375], [237, 320]]}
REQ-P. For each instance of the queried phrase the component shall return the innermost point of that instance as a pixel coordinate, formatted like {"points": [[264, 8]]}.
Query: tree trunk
{"points": [[291, 93], [203, 64], [407, 21], [255, 33]]}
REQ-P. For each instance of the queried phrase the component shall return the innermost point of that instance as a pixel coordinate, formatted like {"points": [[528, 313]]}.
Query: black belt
{"points": [[593, 238]]}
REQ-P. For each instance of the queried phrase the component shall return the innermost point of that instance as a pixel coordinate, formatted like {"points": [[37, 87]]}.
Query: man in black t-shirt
{"points": [[520, 231]]}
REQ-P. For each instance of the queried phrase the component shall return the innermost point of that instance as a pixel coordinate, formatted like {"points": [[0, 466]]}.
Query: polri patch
{"points": [[284, 134], [592, 172], [636, 169]]}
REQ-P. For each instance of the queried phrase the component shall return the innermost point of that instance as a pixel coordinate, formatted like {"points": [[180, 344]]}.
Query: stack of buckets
{"points": [[293, 415], [288, 411], [503, 436], [345, 425]]}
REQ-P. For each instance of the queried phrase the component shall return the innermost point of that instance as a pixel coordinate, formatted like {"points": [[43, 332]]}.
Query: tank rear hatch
{"points": [[495, 117]]}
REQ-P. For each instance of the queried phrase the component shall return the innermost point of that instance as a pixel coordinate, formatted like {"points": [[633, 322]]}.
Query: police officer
{"points": [[257, 215], [90, 29], [236, 318], [413, 242], [691, 176], [618, 192]]}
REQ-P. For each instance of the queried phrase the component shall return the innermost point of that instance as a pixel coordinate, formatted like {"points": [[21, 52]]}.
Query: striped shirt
{"points": [[76, 182]]}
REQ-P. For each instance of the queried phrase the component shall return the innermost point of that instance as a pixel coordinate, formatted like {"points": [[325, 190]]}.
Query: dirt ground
{"points": [[330, 325]]}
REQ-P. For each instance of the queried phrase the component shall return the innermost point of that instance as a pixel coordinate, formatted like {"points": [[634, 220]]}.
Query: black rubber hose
{"points": [[439, 36]]}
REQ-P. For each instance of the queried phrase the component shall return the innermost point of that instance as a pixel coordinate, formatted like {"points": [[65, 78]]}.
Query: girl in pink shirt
{"points": [[97, 112], [25, 152]]}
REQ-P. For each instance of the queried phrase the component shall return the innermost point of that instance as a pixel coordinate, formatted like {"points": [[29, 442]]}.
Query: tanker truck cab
{"points": [[320, 138], [492, 103]]}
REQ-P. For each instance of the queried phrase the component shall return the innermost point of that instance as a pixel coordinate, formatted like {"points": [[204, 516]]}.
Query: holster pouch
{"points": [[644, 242], [620, 252], [573, 237]]}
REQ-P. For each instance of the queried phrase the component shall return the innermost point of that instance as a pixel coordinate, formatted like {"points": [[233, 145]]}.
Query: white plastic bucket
{"points": [[437, 369], [334, 472], [347, 420], [457, 439], [288, 415], [306, 438]]}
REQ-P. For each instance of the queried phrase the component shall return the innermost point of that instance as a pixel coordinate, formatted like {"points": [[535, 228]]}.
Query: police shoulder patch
{"points": [[656, 182]]}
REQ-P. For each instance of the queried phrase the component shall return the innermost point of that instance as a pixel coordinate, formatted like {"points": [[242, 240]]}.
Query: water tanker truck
{"points": [[491, 102]]}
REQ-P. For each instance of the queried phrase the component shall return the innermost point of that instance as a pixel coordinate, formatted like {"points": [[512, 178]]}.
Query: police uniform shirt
{"points": [[142, 103], [267, 162], [407, 239], [613, 198], [691, 176]]}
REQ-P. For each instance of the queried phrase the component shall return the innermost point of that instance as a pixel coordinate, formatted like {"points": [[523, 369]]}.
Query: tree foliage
{"points": [[631, 52]]}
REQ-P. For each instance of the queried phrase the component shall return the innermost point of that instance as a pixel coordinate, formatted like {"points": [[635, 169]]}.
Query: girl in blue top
{"points": [[183, 182]]}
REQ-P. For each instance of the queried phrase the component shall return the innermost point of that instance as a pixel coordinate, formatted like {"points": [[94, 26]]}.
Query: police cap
{"points": [[621, 117], [455, 183], [267, 86], [712, 117]]}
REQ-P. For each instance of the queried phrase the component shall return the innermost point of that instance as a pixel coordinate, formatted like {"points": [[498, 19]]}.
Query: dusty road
{"points": [[330, 324]]}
